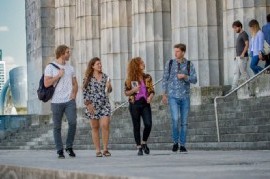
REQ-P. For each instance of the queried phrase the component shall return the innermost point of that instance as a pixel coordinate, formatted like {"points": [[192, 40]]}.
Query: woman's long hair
{"points": [[134, 71], [89, 71], [255, 27]]}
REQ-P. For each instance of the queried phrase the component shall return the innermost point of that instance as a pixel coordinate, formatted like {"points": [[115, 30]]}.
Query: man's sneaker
{"points": [[145, 149], [61, 154], [140, 152], [70, 152], [175, 147], [183, 149]]}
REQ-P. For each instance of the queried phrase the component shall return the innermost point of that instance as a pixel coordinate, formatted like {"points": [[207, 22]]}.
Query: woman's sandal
{"points": [[107, 153], [98, 154]]}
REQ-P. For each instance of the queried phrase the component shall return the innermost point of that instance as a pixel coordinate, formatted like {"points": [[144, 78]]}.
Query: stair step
{"points": [[242, 124], [259, 145]]}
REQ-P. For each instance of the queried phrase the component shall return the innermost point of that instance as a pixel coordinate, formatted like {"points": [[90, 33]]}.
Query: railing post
{"points": [[216, 114]]}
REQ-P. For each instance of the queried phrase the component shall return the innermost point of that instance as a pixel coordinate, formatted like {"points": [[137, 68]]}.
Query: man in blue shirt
{"points": [[266, 32], [178, 74]]}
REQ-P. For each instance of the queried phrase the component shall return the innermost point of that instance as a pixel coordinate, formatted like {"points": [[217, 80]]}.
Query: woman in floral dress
{"points": [[96, 85]]}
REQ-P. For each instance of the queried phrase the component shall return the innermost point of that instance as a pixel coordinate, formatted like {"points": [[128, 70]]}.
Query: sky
{"points": [[12, 32]]}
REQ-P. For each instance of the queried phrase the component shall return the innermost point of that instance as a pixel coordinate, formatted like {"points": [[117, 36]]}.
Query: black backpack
{"points": [[45, 94], [170, 66]]}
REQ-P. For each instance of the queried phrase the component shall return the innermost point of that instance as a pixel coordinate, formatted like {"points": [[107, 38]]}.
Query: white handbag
{"points": [[107, 91], [266, 48]]}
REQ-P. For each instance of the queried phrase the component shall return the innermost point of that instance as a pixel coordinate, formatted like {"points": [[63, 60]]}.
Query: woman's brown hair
{"points": [[134, 71], [89, 71], [255, 25]]}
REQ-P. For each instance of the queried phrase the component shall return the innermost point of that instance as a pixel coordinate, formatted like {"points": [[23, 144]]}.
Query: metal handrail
{"points": [[124, 103], [231, 92]]}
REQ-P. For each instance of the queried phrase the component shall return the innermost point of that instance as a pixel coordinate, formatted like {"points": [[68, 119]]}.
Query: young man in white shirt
{"points": [[63, 99]]}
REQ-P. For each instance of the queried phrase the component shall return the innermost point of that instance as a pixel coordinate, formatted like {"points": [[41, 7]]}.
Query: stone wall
{"points": [[87, 38], [40, 30], [151, 34], [10, 124], [117, 30], [116, 42], [196, 24]]}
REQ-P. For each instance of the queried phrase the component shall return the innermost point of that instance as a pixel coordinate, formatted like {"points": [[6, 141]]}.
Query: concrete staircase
{"points": [[244, 124], [22, 138]]}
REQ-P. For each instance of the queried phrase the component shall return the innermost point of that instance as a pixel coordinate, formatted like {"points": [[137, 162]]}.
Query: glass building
{"points": [[2, 75]]}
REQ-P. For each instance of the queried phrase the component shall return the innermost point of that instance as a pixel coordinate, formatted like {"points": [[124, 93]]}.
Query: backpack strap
{"points": [[58, 69], [55, 66], [188, 67], [170, 67]]}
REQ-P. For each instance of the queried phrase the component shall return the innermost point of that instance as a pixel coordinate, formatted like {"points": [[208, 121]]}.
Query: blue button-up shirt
{"points": [[257, 42], [266, 32], [174, 87]]}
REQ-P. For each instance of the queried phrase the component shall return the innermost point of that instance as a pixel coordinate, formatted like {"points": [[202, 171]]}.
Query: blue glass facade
{"points": [[18, 86]]}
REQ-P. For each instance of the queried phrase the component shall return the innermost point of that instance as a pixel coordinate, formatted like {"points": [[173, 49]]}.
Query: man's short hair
{"points": [[182, 47], [60, 50], [237, 24], [268, 18]]}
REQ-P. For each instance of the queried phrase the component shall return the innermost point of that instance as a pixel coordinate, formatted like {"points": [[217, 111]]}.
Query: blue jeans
{"points": [[254, 64], [58, 110], [183, 106]]}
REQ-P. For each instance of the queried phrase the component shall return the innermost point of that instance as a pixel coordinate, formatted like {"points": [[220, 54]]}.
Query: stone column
{"points": [[244, 11], [87, 38], [65, 25], [40, 38], [151, 34], [195, 23], [116, 42]]}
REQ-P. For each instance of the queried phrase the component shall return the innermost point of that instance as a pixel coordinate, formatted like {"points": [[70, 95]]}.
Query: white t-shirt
{"points": [[63, 89]]}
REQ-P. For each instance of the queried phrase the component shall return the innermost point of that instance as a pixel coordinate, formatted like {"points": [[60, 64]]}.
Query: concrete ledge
{"points": [[259, 87], [206, 95], [127, 164], [12, 172], [41, 119]]}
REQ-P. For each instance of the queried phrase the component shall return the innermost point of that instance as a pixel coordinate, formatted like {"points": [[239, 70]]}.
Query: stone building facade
{"points": [[117, 30]]}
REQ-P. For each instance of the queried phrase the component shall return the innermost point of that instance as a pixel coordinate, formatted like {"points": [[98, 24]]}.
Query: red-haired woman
{"points": [[139, 89], [97, 104]]}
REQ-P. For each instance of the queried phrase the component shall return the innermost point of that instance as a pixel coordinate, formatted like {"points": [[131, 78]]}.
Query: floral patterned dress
{"points": [[95, 93]]}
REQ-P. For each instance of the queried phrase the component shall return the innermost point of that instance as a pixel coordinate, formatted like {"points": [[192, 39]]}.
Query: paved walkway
{"points": [[159, 164]]}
